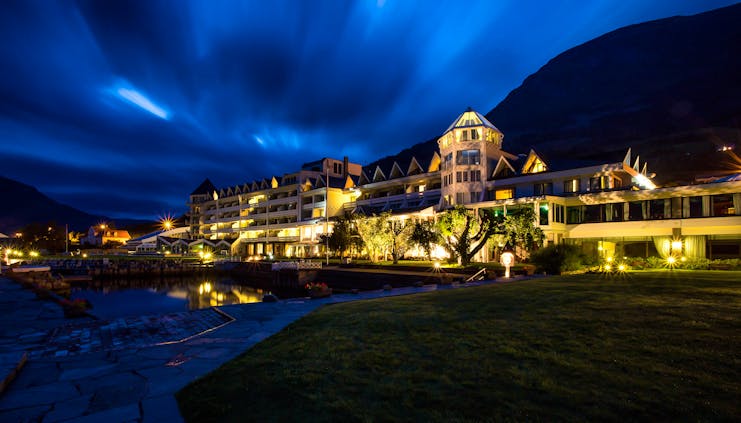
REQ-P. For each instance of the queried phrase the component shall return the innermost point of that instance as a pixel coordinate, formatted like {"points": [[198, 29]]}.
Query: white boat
{"points": [[30, 268]]}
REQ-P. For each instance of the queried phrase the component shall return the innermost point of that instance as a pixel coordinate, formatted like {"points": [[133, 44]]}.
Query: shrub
{"points": [[655, 262], [555, 259], [696, 263]]}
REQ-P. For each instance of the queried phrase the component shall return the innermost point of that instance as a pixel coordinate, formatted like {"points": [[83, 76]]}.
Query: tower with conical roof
{"points": [[469, 150]]}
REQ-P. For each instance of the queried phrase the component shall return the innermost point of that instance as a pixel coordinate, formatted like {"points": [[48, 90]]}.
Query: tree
{"points": [[425, 236], [44, 236], [400, 232], [519, 229], [465, 232], [344, 235], [375, 232], [112, 244]]}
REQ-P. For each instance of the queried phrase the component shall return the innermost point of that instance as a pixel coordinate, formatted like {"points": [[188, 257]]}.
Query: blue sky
{"points": [[123, 108]]}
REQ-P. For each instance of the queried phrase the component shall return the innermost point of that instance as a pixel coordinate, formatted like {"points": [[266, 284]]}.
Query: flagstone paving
{"points": [[129, 369]]}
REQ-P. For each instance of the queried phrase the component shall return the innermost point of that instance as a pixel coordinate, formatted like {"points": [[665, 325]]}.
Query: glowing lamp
{"points": [[621, 267], [677, 245], [437, 265], [608, 267], [609, 259], [508, 260], [671, 260]]}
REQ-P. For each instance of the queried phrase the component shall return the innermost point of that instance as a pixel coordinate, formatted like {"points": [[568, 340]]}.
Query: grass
{"points": [[649, 346]]}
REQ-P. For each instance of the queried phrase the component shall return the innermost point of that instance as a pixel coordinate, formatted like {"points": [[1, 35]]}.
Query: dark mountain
{"points": [[23, 204], [670, 89]]}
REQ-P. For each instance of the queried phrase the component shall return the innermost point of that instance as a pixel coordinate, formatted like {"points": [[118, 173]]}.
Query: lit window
{"points": [[468, 157], [504, 194], [571, 185]]}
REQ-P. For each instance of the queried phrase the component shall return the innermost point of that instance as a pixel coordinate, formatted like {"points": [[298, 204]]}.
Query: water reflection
{"points": [[113, 298]]}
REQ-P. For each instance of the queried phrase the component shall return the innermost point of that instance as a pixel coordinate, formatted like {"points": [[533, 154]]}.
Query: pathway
{"points": [[129, 369]]}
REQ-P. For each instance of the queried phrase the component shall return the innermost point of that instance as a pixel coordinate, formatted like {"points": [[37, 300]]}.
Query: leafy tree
{"points": [[425, 236], [519, 229], [400, 232], [465, 232], [375, 232], [344, 236]]}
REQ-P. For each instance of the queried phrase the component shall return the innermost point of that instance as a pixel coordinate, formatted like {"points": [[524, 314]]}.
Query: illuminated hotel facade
{"points": [[610, 209]]}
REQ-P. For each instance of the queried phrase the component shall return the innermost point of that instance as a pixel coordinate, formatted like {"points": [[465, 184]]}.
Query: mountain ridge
{"points": [[29, 205]]}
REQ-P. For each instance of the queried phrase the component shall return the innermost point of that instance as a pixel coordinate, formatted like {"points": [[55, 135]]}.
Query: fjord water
{"points": [[113, 298]]}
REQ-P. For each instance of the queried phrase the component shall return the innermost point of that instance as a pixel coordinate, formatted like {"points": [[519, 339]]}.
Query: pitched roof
{"points": [[206, 187], [471, 118]]}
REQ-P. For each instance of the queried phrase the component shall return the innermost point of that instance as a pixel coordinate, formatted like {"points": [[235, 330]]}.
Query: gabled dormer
{"points": [[503, 169], [534, 163], [363, 178], [434, 163], [395, 171], [378, 175], [414, 167]]}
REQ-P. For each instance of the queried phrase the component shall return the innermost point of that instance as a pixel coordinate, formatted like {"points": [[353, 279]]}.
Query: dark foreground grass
{"points": [[648, 346]]}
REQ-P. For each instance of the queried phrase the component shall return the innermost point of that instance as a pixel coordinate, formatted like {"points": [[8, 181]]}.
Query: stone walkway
{"points": [[129, 369]]}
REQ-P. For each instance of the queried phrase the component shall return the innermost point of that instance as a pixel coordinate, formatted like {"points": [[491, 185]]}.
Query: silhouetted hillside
{"points": [[668, 88], [23, 204]]}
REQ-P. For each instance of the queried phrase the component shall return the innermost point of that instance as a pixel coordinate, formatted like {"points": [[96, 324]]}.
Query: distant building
{"points": [[100, 235], [608, 208]]}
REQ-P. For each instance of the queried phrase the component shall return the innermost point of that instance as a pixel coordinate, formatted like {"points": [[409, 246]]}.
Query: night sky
{"points": [[123, 108]]}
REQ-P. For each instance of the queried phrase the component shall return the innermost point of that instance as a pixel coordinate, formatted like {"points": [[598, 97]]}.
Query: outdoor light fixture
{"points": [[621, 267], [671, 260], [609, 259], [608, 267], [508, 260], [437, 265], [677, 245]]}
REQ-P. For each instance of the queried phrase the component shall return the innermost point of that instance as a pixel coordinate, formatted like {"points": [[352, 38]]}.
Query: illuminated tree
{"points": [[425, 236], [375, 232], [520, 231], [400, 232], [464, 232], [344, 236]]}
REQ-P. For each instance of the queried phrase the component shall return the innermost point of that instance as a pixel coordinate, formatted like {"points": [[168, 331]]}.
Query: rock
{"points": [[269, 298]]}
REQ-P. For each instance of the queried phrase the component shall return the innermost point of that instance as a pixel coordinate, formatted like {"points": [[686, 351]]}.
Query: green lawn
{"points": [[650, 346]]}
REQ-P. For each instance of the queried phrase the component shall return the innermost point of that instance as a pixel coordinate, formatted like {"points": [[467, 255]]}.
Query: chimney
{"points": [[345, 162]]}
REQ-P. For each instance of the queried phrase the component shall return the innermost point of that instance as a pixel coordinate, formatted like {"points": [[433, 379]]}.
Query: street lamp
{"points": [[508, 260]]}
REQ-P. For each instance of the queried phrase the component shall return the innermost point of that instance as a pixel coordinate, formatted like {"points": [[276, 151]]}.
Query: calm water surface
{"points": [[129, 297]]}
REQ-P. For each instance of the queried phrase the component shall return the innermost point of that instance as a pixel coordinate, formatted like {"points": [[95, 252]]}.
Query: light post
{"points": [[326, 217], [508, 260]]}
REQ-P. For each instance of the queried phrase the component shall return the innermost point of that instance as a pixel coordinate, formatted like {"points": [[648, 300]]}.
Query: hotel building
{"points": [[610, 209]]}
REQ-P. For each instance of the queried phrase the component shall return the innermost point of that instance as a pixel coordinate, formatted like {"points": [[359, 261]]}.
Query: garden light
{"points": [[671, 260], [621, 267], [437, 265], [507, 260], [608, 267]]}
